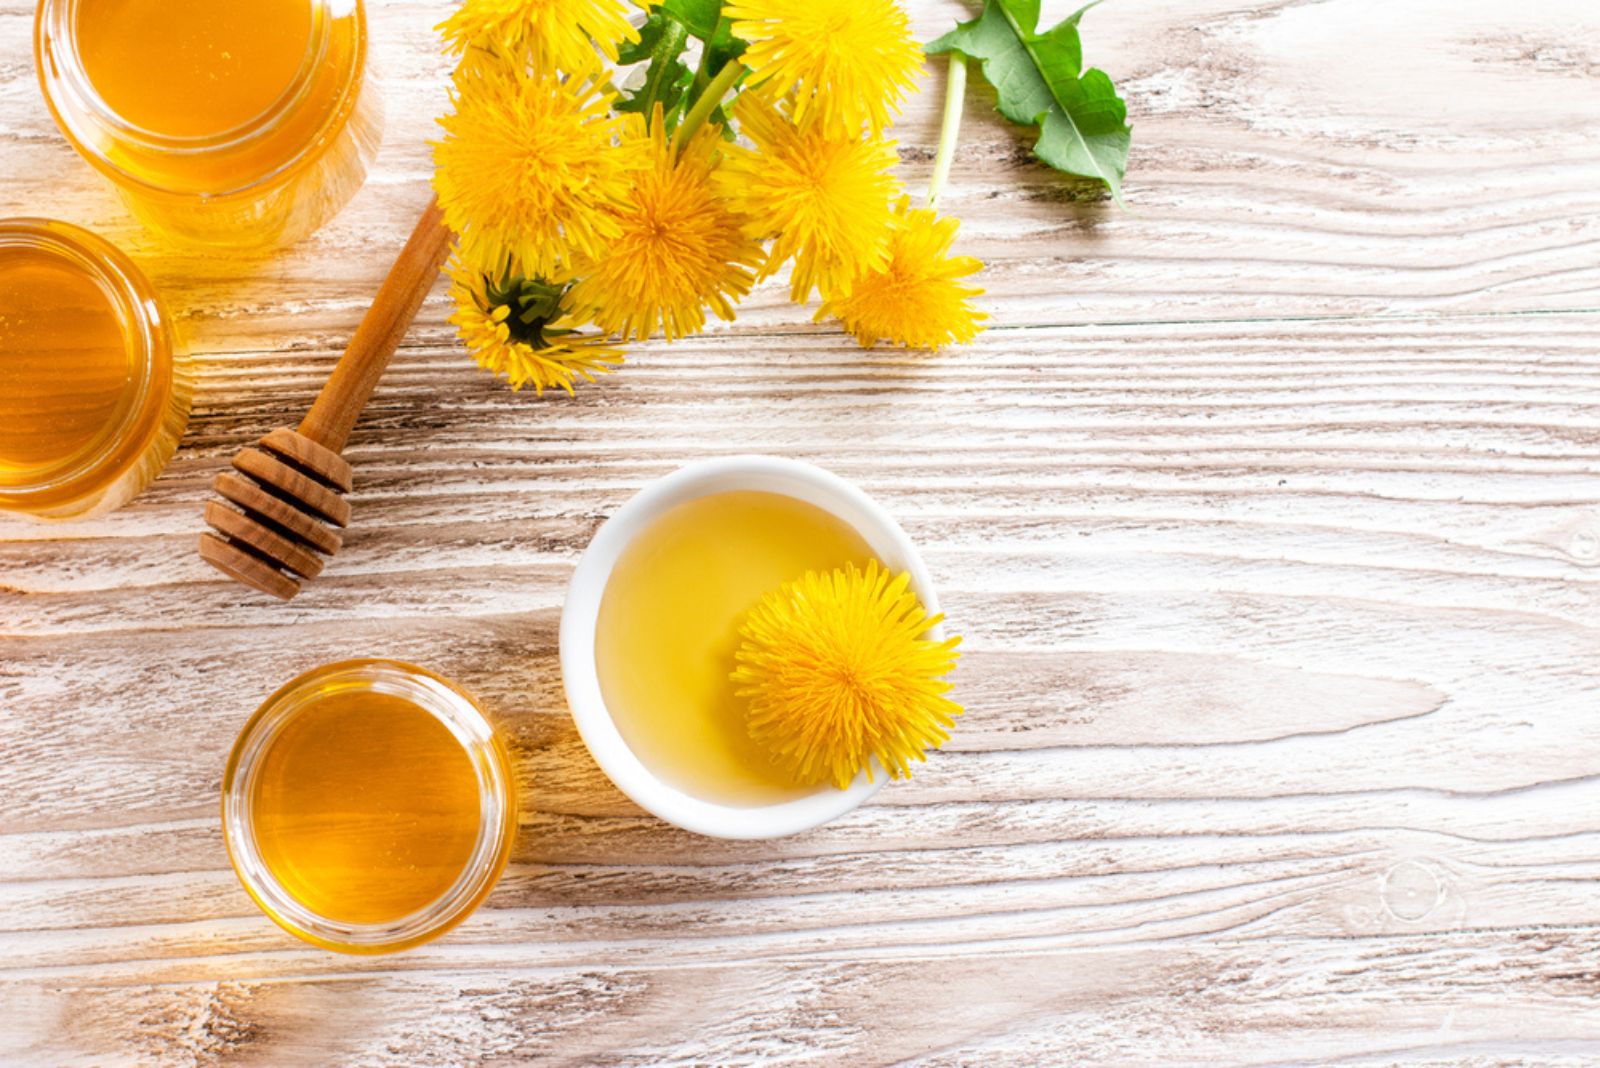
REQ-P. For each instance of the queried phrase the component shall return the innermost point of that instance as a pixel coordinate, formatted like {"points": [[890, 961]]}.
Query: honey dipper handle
{"points": [[339, 404]]}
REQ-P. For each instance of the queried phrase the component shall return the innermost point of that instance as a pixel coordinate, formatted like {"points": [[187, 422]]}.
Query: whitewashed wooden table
{"points": [[1270, 510]]}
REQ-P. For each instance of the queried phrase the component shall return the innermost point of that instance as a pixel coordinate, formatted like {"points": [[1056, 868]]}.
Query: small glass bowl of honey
{"points": [[369, 806], [94, 390], [245, 124]]}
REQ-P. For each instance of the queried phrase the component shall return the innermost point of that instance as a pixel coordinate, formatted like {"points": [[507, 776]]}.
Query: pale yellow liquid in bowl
{"points": [[668, 629]]}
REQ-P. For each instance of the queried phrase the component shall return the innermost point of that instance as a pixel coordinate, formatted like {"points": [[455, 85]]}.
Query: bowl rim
{"points": [[580, 614]]}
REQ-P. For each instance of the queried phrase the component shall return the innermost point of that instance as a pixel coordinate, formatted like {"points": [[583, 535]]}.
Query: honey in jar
{"points": [[93, 393], [243, 123], [368, 806]]}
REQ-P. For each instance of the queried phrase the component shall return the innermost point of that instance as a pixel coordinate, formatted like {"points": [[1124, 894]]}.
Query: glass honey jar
{"points": [[368, 806], [94, 391], [236, 123]]}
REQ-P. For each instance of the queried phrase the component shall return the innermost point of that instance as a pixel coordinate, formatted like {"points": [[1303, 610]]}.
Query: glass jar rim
{"points": [[56, 20], [146, 333], [470, 727]]}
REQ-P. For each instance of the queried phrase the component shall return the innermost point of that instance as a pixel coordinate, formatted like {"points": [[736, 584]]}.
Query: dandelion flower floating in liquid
{"points": [[918, 299], [518, 329], [681, 249], [824, 200], [853, 61], [838, 670]]}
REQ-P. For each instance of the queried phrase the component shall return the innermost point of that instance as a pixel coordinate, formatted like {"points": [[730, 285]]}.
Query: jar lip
{"points": [[146, 333], [56, 53], [467, 723]]}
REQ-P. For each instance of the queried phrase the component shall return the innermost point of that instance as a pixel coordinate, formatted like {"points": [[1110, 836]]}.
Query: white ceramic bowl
{"points": [[632, 776]]}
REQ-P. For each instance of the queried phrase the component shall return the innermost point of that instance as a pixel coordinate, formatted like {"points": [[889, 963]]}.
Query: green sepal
{"points": [[534, 303]]}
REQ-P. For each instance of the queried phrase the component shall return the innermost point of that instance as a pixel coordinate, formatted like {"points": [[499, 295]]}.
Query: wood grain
{"points": [[383, 326], [1270, 511]]}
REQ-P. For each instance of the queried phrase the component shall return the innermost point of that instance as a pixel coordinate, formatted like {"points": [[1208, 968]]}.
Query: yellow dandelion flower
{"points": [[918, 299], [852, 60], [838, 669], [825, 201], [550, 34], [680, 251], [529, 165], [517, 329]]}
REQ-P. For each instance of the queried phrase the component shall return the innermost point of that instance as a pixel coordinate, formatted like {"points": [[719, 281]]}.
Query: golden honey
{"points": [[244, 123], [191, 68], [668, 629], [368, 806], [93, 395]]}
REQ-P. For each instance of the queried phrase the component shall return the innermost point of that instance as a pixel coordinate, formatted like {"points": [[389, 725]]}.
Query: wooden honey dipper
{"points": [[283, 495]]}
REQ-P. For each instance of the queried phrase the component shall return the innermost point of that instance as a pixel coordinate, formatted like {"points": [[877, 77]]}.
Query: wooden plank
{"points": [[1462, 999]]}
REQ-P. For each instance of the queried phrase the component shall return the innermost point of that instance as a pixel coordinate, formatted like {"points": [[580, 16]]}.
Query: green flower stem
{"points": [[708, 100], [955, 96], [702, 72]]}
